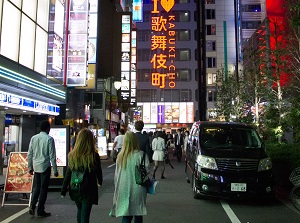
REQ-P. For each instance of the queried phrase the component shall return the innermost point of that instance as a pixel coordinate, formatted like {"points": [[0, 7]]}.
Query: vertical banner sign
{"points": [[133, 67], [78, 39], [126, 58], [163, 44], [137, 11]]}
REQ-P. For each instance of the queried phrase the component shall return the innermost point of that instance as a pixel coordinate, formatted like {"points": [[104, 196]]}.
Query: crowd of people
{"points": [[129, 200]]}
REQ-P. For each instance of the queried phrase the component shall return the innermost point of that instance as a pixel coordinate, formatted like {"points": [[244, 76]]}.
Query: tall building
{"points": [[208, 37], [167, 85]]}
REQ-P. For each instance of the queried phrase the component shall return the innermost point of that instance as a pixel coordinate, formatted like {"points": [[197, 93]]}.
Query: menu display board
{"points": [[18, 179]]}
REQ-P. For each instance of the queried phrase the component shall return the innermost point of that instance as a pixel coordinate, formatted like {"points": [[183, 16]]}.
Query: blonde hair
{"points": [[130, 144], [83, 153]]}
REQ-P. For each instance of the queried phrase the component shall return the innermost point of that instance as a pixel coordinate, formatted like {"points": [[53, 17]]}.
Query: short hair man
{"points": [[143, 139], [41, 151]]}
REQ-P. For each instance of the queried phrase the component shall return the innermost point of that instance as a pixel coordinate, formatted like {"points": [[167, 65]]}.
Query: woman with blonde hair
{"points": [[129, 199], [84, 157]]}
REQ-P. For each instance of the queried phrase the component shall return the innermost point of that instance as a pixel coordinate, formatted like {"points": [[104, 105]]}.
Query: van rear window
{"points": [[215, 137]]}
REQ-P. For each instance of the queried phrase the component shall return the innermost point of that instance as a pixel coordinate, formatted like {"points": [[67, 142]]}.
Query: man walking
{"points": [[179, 140], [143, 139], [41, 151]]}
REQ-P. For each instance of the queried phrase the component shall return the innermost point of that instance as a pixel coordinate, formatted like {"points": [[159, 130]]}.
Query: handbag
{"points": [[141, 175]]}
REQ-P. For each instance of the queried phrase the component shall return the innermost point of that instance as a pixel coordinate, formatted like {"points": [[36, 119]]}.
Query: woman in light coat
{"points": [[158, 147], [129, 199]]}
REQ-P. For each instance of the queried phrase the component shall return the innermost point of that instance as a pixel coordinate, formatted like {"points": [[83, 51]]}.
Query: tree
{"points": [[230, 97]]}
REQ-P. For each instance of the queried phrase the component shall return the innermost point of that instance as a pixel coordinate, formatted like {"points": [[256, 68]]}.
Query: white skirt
{"points": [[158, 155]]}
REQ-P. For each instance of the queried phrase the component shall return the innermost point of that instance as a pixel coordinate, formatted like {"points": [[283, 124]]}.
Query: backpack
{"points": [[79, 182]]}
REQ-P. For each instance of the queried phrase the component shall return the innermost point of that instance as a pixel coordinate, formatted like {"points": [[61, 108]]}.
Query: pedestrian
{"points": [[118, 142], [178, 140], [158, 147], [143, 139], [185, 142], [84, 156], [129, 200], [40, 153], [73, 140]]}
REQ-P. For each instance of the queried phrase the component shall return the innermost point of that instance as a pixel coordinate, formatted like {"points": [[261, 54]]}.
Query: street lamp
{"points": [[117, 85]]}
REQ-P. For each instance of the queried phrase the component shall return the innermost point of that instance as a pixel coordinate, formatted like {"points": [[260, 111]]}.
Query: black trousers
{"points": [[40, 190], [84, 208], [179, 153]]}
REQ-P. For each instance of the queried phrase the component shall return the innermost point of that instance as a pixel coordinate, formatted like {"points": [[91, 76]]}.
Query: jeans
{"points": [[41, 190], [128, 219], [84, 208]]}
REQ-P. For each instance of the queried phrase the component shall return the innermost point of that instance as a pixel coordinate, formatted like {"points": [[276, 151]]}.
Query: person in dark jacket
{"points": [[143, 138], [84, 155], [179, 141]]}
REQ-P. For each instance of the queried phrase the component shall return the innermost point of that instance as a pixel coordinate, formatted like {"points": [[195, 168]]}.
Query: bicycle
{"points": [[295, 192]]}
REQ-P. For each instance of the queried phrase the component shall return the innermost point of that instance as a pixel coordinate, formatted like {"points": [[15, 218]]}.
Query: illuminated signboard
{"points": [[93, 17], [27, 104], [125, 57], [137, 10], [133, 68], [163, 44], [78, 42], [57, 59], [167, 112]]}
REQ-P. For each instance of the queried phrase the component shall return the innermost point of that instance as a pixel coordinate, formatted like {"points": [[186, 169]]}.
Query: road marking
{"points": [[16, 215], [229, 212], [107, 167]]}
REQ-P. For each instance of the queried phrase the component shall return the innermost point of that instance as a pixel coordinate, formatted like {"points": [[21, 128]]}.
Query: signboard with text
{"points": [[163, 44]]}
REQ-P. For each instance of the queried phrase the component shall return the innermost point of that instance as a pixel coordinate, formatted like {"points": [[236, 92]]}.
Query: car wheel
{"points": [[196, 195]]}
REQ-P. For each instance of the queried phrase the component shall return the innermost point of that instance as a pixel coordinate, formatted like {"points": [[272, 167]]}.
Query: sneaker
{"points": [[44, 214], [31, 211], [162, 177]]}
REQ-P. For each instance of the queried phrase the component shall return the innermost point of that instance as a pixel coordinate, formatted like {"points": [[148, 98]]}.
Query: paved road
{"points": [[173, 203]]}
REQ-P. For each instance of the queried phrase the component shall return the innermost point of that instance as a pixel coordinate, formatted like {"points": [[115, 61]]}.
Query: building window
{"points": [[211, 96], [149, 95], [182, 1], [251, 8], [210, 14], [144, 75], [250, 24], [184, 75], [143, 35], [211, 78], [183, 55], [210, 29], [183, 34], [210, 45], [180, 95], [209, 2], [144, 55], [211, 62]]}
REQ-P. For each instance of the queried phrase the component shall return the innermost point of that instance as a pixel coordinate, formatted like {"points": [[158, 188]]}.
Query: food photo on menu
{"points": [[18, 177]]}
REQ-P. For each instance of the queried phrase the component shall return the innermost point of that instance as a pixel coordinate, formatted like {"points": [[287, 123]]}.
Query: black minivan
{"points": [[227, 159]]}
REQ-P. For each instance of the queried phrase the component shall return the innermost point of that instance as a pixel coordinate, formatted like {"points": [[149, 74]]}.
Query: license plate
{"points": [[238, 187]]}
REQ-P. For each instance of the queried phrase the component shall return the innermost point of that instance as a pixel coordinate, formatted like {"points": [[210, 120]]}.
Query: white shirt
{"points": [[41, 151], [119, 139]]}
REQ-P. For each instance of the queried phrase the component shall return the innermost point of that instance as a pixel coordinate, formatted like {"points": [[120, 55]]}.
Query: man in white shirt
{"points": [[118, 142], [41, 151]]}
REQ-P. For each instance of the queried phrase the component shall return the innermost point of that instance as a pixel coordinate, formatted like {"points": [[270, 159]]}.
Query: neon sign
{"points": [[163, 45]]}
